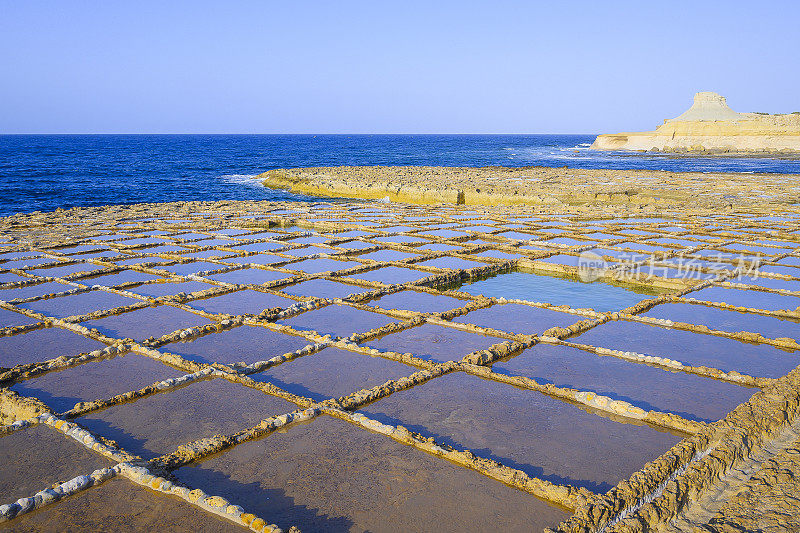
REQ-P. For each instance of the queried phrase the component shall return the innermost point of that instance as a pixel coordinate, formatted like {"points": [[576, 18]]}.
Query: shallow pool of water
{"points": [[258, 247], [391, 275], [497, 254], [258, 259], [159, 423], [433, 342], [12, 318], [691, 348], [761, 281], [304, 252], [118, 506], [322, 288], [143, 323], [337, 320], [316, 266], [332, 373], [40, 289], [439, 247], [249, 276], [42, 345], [241, 302], [387, 255], [524, 429], [558, 291], [747, 298], [184, 269], [647, 387], [61, 271], [450, 262], [78, 304], [35, 458], [328, 475], [517, 318], [727, 320], [156, 290], [96, 380], [420, 302], [247, 344]]}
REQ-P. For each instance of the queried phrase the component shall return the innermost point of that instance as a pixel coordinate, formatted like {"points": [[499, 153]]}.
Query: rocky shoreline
{"points": [[635, 189]]}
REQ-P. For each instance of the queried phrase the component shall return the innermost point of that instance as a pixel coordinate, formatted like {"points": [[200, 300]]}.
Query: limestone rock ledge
{"points": [[711, 126], [639, 189]]}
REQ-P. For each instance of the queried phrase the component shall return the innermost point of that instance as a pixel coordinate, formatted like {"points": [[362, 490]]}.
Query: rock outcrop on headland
{"points": [[711, 126]]}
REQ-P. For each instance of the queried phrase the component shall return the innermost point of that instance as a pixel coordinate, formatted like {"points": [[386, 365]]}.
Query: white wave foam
{"points": [[248, 180]]}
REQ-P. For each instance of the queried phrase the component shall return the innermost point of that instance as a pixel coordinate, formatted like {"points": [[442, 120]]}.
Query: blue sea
{"points": [[44, 172]]}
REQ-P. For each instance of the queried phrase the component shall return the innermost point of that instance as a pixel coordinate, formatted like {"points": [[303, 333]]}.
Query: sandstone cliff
{"points": [[710, 125]]}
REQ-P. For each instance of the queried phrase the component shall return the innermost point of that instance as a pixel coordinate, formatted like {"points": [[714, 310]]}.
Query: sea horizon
{"points": [[42, 172]]}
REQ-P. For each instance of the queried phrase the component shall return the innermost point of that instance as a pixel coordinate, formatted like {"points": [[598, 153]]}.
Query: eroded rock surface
{"points": [[639, 190], [711, 126]]}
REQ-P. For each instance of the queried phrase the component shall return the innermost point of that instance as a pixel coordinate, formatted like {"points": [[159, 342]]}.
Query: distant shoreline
{"points": [[795, 156]]}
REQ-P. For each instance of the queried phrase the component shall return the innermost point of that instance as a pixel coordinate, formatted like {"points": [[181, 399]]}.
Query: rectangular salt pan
{"points": [[330, 476], [524, 429]]}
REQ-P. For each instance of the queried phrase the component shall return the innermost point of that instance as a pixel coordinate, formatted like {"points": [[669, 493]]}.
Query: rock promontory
{"points": [[645, 189], [711, 126]]}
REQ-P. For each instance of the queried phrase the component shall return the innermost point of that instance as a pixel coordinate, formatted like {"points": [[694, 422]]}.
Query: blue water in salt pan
{"points": [[557, 291]]}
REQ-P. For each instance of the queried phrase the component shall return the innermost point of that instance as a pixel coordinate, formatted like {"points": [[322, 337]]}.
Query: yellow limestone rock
{"points": [[711, 126]]}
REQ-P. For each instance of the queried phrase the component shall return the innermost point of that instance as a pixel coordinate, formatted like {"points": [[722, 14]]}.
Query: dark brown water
{"points": [[332, 373], [35, 458], [248, 344], [96, 380], [158, 424], [241, 302], [330, 476], [337, 320], [120, 506], [524, 429], [43, 344], [420, 302], [434, 342], [148, 322]]}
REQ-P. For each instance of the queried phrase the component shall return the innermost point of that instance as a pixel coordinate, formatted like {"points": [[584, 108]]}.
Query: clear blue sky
{"points": [[387, 67]]}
